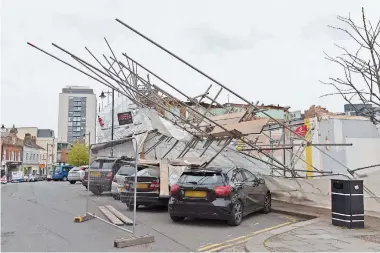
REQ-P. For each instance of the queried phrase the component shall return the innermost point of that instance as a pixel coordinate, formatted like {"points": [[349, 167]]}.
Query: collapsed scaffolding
{"points": [[206, 130]]}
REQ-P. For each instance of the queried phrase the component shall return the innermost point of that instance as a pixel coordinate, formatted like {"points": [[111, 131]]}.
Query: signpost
{"points": [[301, 130], [125, 118]]}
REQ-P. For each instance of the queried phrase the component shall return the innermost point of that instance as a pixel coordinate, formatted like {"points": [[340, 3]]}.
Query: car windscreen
{"points": [[57, 170], [75, 169], [201, 178], [149, 172], [126, 170]]}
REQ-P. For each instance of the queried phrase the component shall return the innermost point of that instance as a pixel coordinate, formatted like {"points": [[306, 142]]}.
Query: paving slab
{"points": [[316, 234]]}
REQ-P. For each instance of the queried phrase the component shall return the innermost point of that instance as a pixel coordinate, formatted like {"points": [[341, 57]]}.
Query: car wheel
{"points": [[97, 191], [177, 218], [73, 182], [267, 204], [236, 214]]}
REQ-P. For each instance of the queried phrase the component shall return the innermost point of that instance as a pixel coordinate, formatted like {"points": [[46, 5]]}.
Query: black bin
{"points": [[347, 203]]}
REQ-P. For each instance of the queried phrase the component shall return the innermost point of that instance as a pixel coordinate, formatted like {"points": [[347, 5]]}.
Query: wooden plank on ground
{"points": [[164, 178], [113, 219], [119, 215]]}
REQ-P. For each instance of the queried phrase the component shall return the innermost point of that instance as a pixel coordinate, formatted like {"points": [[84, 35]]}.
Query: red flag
{"points": [[100, 120]]}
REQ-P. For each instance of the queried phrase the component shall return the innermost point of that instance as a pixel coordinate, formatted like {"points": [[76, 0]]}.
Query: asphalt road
{"points": [[39, 217]]}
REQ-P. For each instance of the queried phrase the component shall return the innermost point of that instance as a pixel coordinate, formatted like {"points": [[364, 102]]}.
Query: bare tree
{"points": [[361, 80]]}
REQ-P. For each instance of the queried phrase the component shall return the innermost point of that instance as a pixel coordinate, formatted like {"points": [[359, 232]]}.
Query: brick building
{"points": [[11, 150]]}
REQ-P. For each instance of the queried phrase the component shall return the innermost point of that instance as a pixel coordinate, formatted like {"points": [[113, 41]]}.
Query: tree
{"points": [[361, 69], [78, 155]]}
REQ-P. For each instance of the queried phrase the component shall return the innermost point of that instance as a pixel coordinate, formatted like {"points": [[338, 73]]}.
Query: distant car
{"points": [[26, 178], [102, 172], [38, 177], [31, 178], [77, 174], [118, 182], [49, 176], [147, 190], [61, 172], [17, 176], [218, 193]]}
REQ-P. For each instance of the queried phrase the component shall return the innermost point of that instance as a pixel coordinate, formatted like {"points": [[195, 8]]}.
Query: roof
{"points": [[44, 133]]}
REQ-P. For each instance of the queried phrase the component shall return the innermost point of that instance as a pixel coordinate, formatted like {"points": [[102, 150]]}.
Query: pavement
{"points": [[38, 216], [316, 234]]}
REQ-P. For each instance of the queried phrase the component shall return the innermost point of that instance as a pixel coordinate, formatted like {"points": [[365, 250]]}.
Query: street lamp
{"points": [[102, 96]]}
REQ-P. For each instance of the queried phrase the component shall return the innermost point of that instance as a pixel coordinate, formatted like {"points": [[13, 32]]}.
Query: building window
{"points": [[26, 156]]}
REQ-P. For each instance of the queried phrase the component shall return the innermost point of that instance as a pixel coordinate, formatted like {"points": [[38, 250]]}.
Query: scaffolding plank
{"points": [[164, 178], [241, 128], [110, 216], [119, 215]]}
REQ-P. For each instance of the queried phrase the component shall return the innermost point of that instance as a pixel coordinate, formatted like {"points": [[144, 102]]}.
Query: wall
{"points": [[21, 131]]}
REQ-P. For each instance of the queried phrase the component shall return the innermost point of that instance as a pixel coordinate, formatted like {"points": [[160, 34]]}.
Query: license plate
{"points": [[95, 173], [141, 186], [195, 194]]}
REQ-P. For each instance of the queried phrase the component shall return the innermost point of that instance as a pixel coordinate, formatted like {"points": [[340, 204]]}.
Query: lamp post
{"points": [[47, 155], [102, 96]]}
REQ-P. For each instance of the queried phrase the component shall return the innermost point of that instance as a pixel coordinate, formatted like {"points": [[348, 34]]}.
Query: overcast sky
{"points": [[267, 51]]}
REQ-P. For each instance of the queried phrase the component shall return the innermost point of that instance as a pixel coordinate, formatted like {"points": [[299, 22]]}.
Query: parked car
{"points": [[49, 176], [77, 174], [102, 172], [61, 172], [38, 177], [118, 183], [218, 193], [26, 178], [147, 189], [17, 176]]}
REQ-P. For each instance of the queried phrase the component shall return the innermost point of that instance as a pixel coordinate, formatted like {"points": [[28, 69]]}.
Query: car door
{"points": [[257, 191], [243, 190]]}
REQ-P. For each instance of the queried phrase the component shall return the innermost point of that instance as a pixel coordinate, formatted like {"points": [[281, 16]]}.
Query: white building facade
{"points": [[77, 114]]}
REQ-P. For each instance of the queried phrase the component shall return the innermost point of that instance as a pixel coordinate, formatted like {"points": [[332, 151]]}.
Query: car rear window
{"points": [[108, 164], [149, 172], [201, 178], [95, 165], [126, 170]]}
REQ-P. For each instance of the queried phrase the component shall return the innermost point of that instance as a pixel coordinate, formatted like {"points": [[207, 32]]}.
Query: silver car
{"points": [[77, 174], [118, 182]]}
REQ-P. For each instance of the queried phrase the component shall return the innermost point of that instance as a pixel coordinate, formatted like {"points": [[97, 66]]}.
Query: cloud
{"points": [[210, 40], [320, 27]]}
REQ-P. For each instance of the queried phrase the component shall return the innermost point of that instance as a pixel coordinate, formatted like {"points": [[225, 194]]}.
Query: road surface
{"points": [[38, 216]]}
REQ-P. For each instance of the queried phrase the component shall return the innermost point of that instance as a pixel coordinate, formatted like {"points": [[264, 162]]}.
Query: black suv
{"points": [[218, 193], [103, 170]]}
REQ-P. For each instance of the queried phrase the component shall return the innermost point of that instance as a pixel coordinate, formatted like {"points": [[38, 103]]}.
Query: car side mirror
{"points": [[261, 181]]}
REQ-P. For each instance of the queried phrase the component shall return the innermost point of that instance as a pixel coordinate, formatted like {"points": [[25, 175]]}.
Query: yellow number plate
{"points": [[195, 194], [142, 186], [95, 173]]}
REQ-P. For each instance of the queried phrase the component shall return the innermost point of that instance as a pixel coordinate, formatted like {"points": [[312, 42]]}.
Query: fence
{"points": [[103, 179]]}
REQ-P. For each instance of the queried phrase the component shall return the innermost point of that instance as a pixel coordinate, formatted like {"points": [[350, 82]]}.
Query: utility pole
{"points": [[113, 112], [47, 158]]}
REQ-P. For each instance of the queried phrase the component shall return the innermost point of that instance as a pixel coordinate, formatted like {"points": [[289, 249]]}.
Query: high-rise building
{"points": [[77, 114]]}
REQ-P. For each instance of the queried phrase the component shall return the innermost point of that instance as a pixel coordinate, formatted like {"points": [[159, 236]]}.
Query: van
{"points": [[61, 172]]}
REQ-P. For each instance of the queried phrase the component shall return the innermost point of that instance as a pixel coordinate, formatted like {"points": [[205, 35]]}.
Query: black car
{"points": [[102, 171], [218, 193], [147, 190]]}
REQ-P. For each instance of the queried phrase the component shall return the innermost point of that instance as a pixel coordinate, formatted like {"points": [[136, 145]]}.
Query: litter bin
{"points": [[347, 203]]}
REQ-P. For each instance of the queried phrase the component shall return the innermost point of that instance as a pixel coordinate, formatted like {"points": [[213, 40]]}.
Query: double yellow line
{"points": [[227, 244]]}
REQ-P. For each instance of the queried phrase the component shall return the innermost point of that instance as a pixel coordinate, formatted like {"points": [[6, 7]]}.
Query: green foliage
{"points": [[78, 155]]}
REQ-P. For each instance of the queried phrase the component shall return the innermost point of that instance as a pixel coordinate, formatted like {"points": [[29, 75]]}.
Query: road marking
{"points": [[238, 240]]}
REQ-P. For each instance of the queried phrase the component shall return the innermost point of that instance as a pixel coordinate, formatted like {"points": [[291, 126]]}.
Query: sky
{"points": [[266, 51]]}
